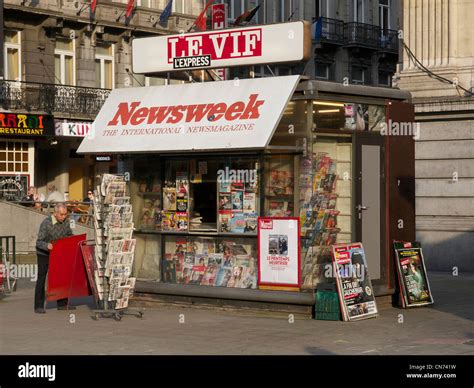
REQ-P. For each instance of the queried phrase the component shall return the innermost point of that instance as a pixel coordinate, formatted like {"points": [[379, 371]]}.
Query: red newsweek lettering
{"points": [[219, 45], [130, 113]]}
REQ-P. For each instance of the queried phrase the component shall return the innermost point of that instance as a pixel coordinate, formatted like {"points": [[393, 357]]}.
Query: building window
{"points": [[358, 10], [385, 78], [16, 157], [384, 15], [321, 70], [322, 8], [64, 62], [104, 66], [188, 7], [358, 75], [12, 55]]}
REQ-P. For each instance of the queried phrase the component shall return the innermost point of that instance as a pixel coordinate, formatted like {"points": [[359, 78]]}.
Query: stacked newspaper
{"points": [[113, 222]]}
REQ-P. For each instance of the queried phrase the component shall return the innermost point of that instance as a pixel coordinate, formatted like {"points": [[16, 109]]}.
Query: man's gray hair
{"points": [[59, 206]]}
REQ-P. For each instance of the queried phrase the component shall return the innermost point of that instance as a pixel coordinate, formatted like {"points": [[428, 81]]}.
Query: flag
{"points": [[166, 14], [93, 5], [130, 7], [247, 16], [200, 21]]}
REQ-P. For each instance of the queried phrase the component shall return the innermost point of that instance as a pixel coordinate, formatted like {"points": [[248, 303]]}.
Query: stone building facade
{"points": [[440, 35]]}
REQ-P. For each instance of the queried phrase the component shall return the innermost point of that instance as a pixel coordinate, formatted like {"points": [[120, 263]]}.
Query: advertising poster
{"points": [[412, 277], [278, 252], [356, 294]]}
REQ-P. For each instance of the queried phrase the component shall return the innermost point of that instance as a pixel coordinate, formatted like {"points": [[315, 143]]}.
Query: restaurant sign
{"points": [[26, 125]]}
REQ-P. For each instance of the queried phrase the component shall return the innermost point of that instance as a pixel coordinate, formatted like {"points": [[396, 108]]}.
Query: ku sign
{"points": [[275, 43]]}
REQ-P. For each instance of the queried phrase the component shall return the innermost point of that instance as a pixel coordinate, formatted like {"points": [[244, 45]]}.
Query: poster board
{"points": [[356, 294], [279, 253], [412, 277], [67, 276], [88, 256]]}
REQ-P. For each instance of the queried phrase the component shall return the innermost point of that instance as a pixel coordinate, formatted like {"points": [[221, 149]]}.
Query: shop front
{"points": [[20, 136], [206, 160], [60, 165]]}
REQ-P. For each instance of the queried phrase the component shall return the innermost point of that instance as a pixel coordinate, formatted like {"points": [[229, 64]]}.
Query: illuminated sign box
{"points": [[243, 46], [26, 125]]}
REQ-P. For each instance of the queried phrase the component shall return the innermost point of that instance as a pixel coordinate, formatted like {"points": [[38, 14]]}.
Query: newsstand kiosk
{"points": [[207, 159]]}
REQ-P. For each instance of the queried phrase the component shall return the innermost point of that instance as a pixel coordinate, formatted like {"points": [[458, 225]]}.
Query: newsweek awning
{"points": [[237, 114]]}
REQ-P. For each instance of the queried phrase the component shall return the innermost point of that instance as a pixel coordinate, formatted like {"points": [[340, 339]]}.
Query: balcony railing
{"points": [[362, 35], [51, 98], [389, 41], [328, 31]]}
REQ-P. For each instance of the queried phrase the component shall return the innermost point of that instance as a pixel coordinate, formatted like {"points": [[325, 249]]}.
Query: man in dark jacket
{"points": [[52, 228]]}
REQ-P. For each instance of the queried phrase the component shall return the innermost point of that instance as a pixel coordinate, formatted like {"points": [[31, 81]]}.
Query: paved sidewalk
{"points": [[446, 328]]}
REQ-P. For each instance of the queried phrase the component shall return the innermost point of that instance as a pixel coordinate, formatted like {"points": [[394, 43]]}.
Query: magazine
{"points": [[225, 201], [182, 221], [169, 199], [237, 201], [168, 221], [225, 218], [249, 202], [356, 294], [412, 276]]}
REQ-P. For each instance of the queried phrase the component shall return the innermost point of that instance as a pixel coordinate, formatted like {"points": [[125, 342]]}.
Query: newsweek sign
{"points": [[274, 43], [222, 115]]}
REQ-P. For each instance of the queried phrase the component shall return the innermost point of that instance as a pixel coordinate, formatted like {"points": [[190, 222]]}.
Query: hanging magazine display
{"points": [[412, 277], [356, 295]]}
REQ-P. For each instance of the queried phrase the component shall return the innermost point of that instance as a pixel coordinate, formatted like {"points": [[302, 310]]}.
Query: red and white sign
{"points": [[279, 252], [219, 22], [223, 115], [219, 16], [243, 46], [72, 129]]}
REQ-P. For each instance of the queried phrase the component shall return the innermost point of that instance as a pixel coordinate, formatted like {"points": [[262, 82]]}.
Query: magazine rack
{"points": [[110, 261]]}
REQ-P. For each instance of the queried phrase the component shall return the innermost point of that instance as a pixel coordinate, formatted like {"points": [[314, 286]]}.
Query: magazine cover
{"points": [[168, 221], [356, 294], [169, 199], [169, 269], [251, 223], [249, 202], [197, 273], [182, 221], [237, 222], [225, 201], [210, 275], [223, 276], [182, 185], [413, 280], [188, 265], [249, 278], [237, 200], [225, 217], [224, 186]]}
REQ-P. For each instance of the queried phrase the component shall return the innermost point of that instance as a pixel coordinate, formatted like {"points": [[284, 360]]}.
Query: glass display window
{"points": [[238, 195], [325, 204], [146, 192], [210, 261], [279, 186]]}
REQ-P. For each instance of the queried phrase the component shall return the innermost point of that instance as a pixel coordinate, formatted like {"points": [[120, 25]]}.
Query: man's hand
{"points": [[50, 246]]}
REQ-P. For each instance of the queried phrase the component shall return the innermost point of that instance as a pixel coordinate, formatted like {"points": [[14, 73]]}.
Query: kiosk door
{"points": [[370, 203]]}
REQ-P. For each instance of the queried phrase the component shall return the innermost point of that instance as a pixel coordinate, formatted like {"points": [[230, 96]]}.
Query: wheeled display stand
{"points": [[96, 263]]}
